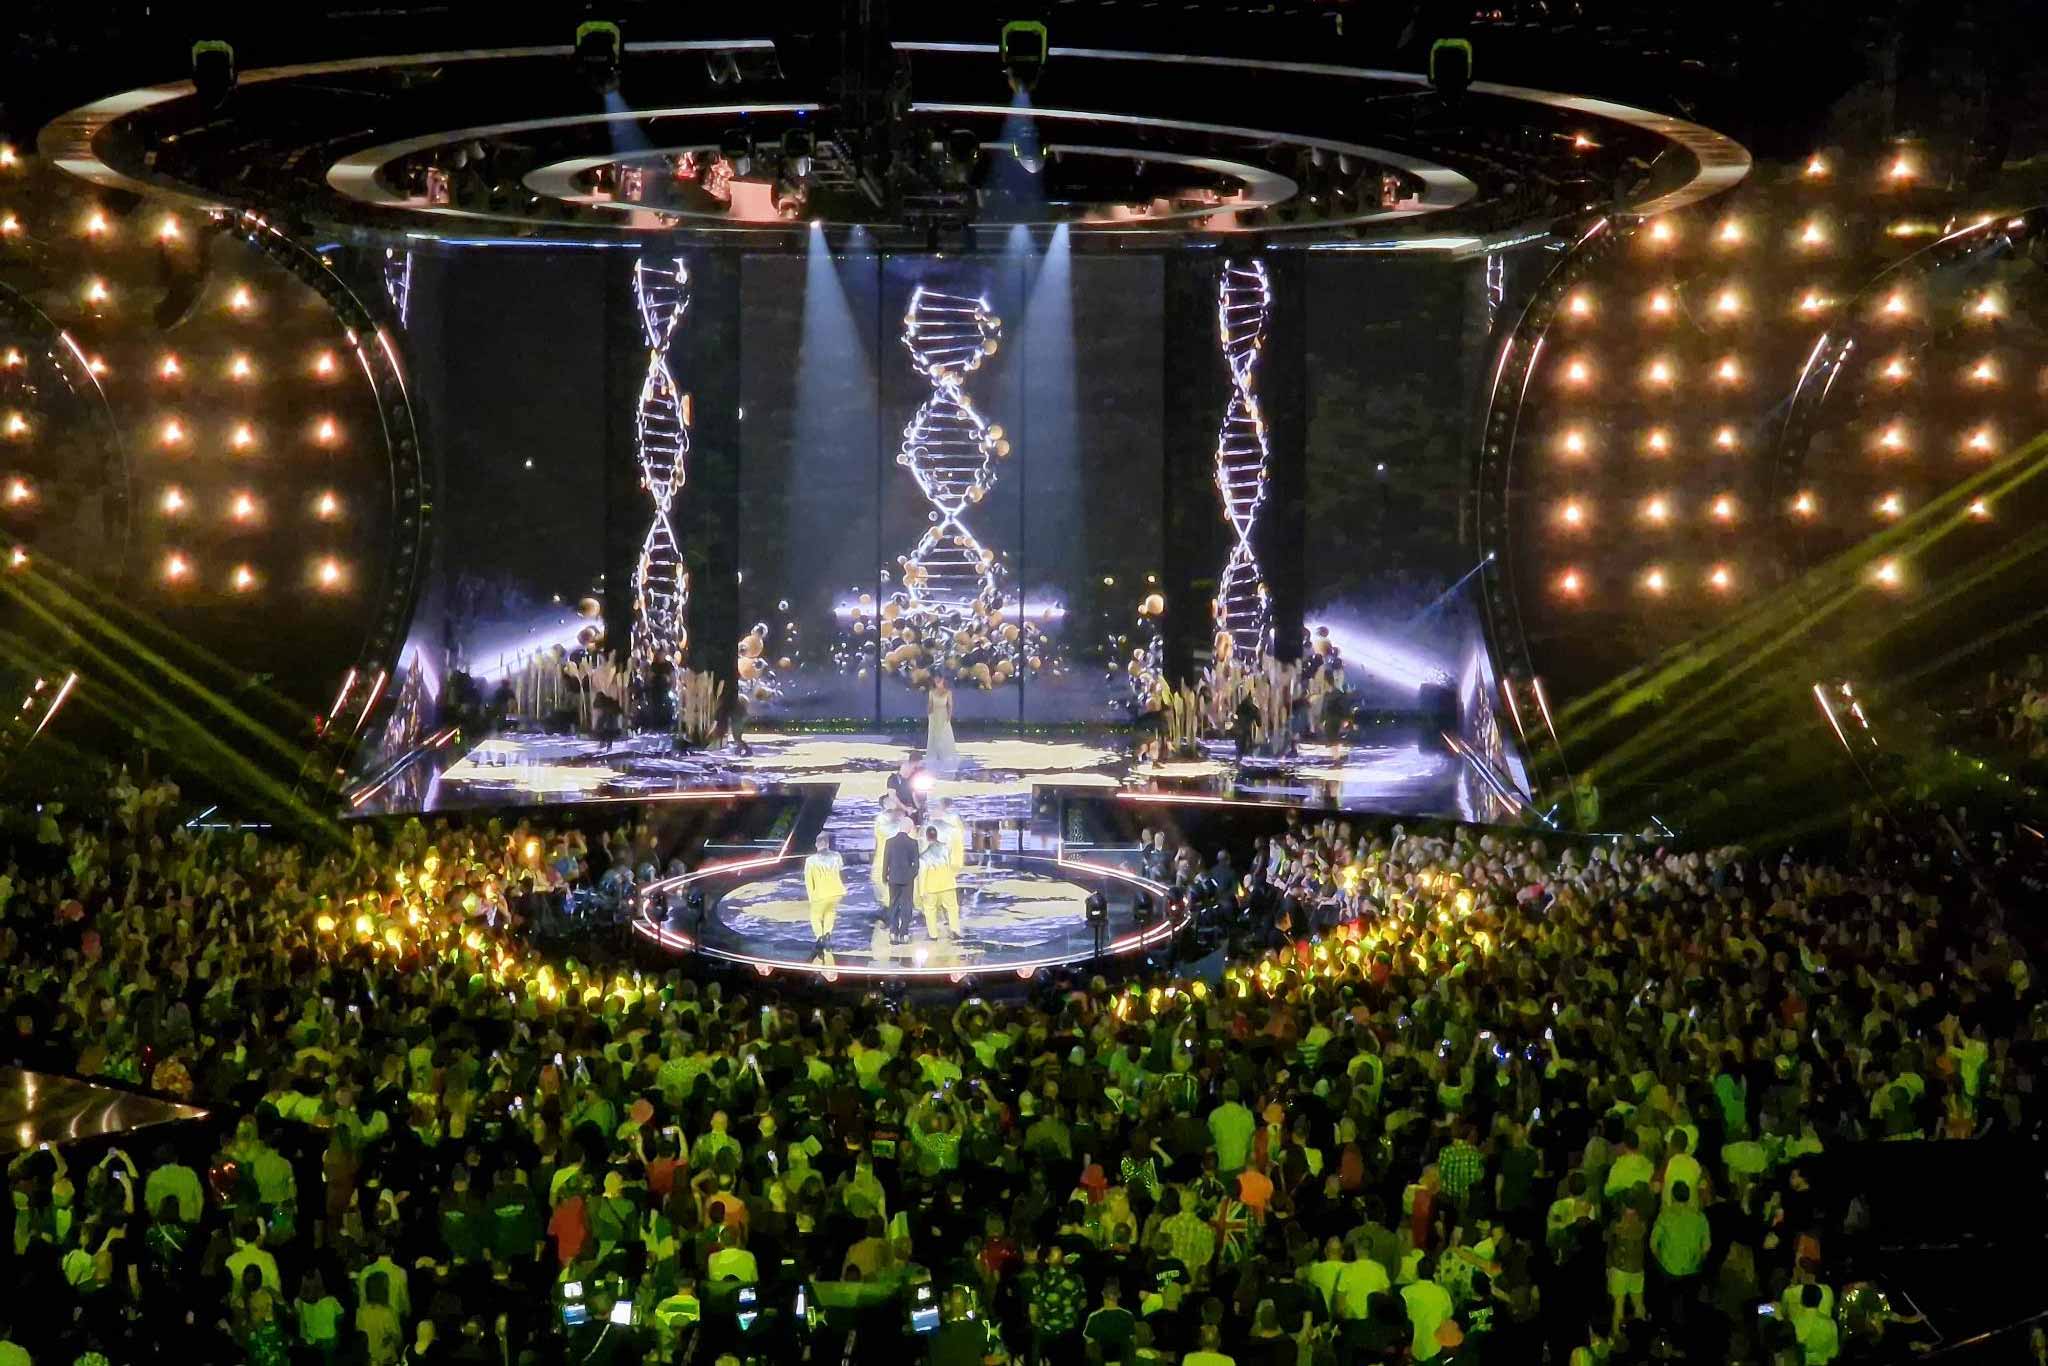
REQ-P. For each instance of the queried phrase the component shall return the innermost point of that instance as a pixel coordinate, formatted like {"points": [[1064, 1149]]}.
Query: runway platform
{"points": [[1019, 913]]}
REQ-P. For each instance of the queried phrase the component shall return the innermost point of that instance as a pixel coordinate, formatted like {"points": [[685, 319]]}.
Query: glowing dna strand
{"points": [[950, 580], [661, 585], [1244, 299]]}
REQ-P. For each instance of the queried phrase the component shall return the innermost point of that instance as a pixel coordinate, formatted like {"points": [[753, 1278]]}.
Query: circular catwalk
{"points": [[1017, 913]]}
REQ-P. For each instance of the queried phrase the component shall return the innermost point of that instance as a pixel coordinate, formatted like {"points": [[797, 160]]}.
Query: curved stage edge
{"points": [[1019, 914]]}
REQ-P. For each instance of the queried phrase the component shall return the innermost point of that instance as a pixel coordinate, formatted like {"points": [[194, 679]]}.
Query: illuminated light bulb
{"points": [[1813, 234], [17, 558], [326, 432], [167, 229], [1816, 167], [1659, 372], [1987, 306], [176, 567], [1658, 440], [1725, 438], [18, 491], [97, 365], [1984, 371], [96, 291], [1660, 303], [9, 158], [168, 367], [239, 368], [1895, 305], [1576, 372], [1724, 509], [9, 225], [244, 437], [1891, 505], [1730, 234], [1571, 514], [1720, 580], [1580, 142], [1892, 438], [243, 508], [12, 360], [1575, 442], [1569, 583], [1804, 505], [16, 425], [323, 364], [1980, 509], [1661, 231], [329, 573], [1888, 573], [172, 432], [1811, 302], [1657, 509], [1980, 440], [1655, 581], [1727, 303], [1578, 306], [1901, 169], [174, 501], [1728, 371], [244, 578], [328, 508], [1895, 369], [96, 224], [241, 301]]}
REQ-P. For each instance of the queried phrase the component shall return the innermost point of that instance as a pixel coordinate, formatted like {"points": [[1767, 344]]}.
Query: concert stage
{"points": [[1019, 913], [1392, 770]]}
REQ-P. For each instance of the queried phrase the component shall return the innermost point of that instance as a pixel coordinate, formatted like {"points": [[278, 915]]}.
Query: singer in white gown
{"points": [[940, 756]]}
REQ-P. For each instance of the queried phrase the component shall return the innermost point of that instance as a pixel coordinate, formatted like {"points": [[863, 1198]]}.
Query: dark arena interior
{"points": [[1301, 683]]}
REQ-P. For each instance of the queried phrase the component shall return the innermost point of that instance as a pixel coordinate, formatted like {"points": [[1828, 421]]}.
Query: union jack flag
{"points": [[1237, 1229]]}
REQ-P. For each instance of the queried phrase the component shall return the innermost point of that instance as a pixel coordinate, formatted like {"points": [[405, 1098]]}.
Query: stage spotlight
{"points": [[96, 224], [242, 508], [1816, 168], [174, 501], [1723, 508], [1657, 510], [9, 159], [1891, 506], [1895, 369], [323, 364], [1987, 306], [213, 70], [1579, 306], [1143, 910], [1570, 584], [1725, 438], [15, 425], [1813, 234], [1655, 582], [963, 151], [598, 50], [1731, 233], [1097, 908], [1575, 442], [1728, 371], [1804, 505], [176, 567], [168, 231], [798, 147], [1572, 514], [1901, 170], [736, 149], [18, 492], [244, 578], [1661, 232], [1660, 373], [1728, 303], [327, 507], [1658, 442], [1811, 302], [1576, 372], [1892, 438], [1024, 52], [1984, 371], [328, 573], [1660, 304], [1889, 573], [1720, 579], [12, 359], [240, 368], [1895, 305], [1981, 441], [241, 300], [172, 433], [243, 437], [9, 225], [168, 367]]}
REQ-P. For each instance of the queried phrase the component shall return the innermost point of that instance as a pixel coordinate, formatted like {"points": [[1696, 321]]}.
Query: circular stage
{"points": [[1019, 913]]}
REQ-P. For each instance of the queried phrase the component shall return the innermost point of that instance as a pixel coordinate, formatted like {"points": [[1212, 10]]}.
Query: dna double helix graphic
{"points": [[1244, 299], [950, 582], [661, 585]]}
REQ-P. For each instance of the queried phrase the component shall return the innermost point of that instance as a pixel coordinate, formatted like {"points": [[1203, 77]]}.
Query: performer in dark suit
{"points": [[899, 870], [903, 787]]}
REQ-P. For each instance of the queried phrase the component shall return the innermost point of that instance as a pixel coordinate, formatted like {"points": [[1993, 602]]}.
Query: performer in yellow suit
{"points": [[952, 830], [825, 886], [937, 889]]}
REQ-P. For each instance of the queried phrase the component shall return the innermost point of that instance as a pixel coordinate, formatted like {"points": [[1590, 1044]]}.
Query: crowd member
{"points": [[1491, 1096]]}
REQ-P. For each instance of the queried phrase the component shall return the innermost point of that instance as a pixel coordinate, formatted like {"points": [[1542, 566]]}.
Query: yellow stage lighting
{"points": [[1654, 581], [1981, 510], [1804, 505], [1891, 505], [1720, 579], [1657, 509], [176, 567], [174, 501]]}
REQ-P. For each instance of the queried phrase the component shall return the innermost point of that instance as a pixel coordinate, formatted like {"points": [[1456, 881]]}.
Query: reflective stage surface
{"points": [[1018, 913], [37, 1108], [1397, 771]]}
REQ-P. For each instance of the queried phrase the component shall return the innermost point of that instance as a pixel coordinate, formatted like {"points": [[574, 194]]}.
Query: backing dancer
{"points": [[938, 889], [825, 888]]}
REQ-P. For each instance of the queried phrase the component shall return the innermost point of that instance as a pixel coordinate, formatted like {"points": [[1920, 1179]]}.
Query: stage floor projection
{"points": [[1395, 774]]}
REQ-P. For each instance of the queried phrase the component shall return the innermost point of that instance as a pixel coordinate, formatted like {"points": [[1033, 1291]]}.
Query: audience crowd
{"points": [[1458, 1096]]}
